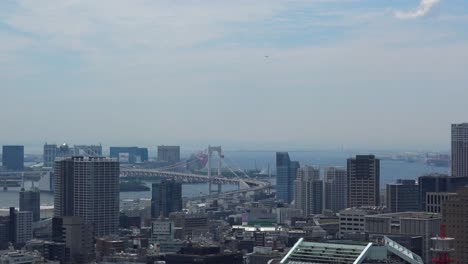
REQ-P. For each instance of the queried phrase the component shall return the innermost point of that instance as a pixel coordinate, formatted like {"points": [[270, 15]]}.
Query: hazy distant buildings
{"points": [[13, 158], [403, 196], [169, 153], [335, 188], [308, 191], [87, 150], [286, 171], [52, 151], [455, 215], [31, 201], [129, 154], [460, 150], [363, 181], [166, 197], [88, 187]]}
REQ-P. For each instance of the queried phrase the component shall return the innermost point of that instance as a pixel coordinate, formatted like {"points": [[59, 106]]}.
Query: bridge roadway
{"points": [[252, 183]]}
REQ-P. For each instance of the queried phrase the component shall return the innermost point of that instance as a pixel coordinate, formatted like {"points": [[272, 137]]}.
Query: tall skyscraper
{"points": [[286, 171], [88, 187], [166, 198], [460, 150], [335, 189], [454, 216], [31, 201], [169, 153], [13, 158], [363, 181], [403, 196], [129, 154], [308, 191]]}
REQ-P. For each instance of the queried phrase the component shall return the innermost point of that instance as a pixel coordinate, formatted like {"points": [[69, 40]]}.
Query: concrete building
{"points": [[403, 196], [284, 215], [88, 187], [163, 236], [31, 201], [107, 246], [308, 191], [129, 154], [286, 171], [204, 255], [460, 150], [422, 224], [77, 235], [335, 188], [363, 181], [434, 201], [22, 227], [438, 183], [455, 216], [13, 158], [351, 222], [166, 197], [169, 153], [191, 224]]}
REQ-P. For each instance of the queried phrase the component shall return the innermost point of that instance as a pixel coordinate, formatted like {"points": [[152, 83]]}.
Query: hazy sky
{"points": [[318, 73]]}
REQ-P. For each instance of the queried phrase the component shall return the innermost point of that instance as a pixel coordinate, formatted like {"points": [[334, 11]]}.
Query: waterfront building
{"points": [[308, 191], [129, 154], [335, 188], [460, 150], [169, 153], [403, 196], [286, 171], [166, 197], [363, 180], [88, 187], [13, 157], [31, 201], [455, 215], [438, 183]]}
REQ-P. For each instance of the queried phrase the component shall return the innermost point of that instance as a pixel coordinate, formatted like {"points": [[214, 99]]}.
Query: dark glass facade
{"points": [[438, 183], [286, 171], [403, 196], [13, 158], [166, 198]]}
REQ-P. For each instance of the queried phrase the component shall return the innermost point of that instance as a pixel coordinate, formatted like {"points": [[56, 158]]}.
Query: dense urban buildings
{"points": [[455, 218], [31, 201], [460, 150], [169, 153], [13, 158], [88, 187], [286, 171], [166, 197], [403, 196], [438, 183], [308, 191], [335, 188], [363, 181], [129, 154], [434, 200]]}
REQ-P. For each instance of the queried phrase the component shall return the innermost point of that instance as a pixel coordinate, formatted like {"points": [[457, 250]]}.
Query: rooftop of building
{"points": [[411, 215]]}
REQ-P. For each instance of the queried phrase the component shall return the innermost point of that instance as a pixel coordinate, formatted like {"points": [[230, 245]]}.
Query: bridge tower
{"points": [[218, 150]]}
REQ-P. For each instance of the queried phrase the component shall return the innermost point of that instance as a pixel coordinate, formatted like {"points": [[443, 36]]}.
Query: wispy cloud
{"points": [[423, 9]]}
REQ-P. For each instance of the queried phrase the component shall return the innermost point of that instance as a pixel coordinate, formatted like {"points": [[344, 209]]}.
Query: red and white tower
{"points": [[442, 248]]}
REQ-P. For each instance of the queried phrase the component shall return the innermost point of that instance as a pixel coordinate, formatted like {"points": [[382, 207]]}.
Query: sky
{"points": [[247, 74]]}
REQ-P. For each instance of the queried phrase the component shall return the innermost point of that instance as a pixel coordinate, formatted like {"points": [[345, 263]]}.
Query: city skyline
{"points": [[355, 73]]}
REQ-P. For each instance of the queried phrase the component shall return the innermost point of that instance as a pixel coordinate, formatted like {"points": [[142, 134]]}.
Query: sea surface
{"points": [[390, 171]]}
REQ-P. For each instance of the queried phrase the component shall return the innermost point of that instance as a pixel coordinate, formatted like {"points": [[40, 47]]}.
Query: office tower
{"points": [[169, 153], [434, 201], [363, 181], [438, 183], [403, 196], [335, 188], [88, 187], [31, 201], [77, 235], [52, 151], [308, 191], [20, 226], [87, 150], [286, 171], [166, 198], [129, 154], [13, 158], [454, 216], [460, 150]]}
